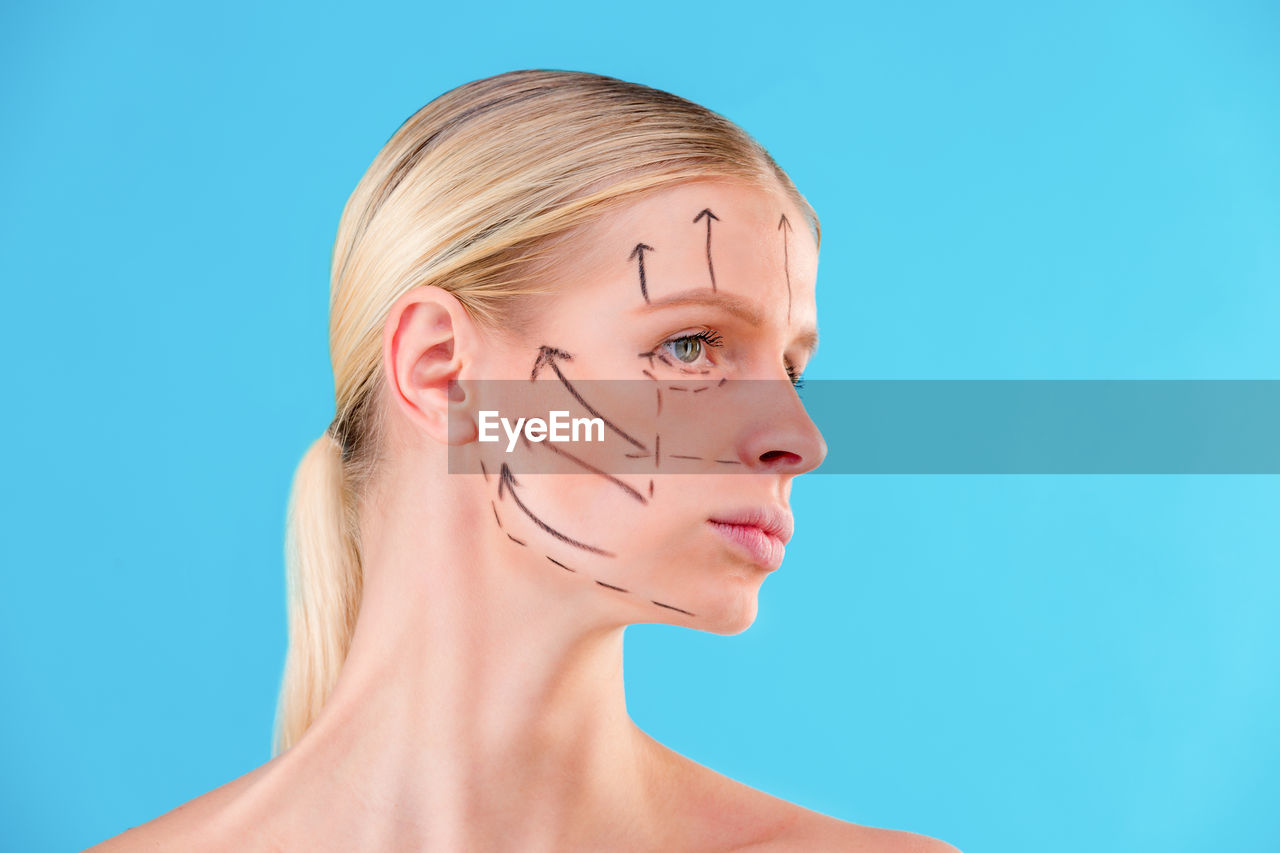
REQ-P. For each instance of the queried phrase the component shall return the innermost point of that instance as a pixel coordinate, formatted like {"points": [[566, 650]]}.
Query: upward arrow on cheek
{"points": [[507, 483], [551, 357]]}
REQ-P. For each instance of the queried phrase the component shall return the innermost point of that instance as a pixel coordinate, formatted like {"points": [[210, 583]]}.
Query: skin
{"points": [[482, 705]]}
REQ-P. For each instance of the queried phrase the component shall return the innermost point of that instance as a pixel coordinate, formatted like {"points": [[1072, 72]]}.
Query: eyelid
{"points": [[689, 332], [713, 339]]}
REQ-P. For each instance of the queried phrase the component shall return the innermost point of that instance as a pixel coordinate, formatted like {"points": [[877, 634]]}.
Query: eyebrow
{"points": [[806, 339]]}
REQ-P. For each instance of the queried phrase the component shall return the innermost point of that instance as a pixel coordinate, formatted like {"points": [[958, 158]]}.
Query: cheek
{"points": [[657, 545], [633, 529], [631, 539], [658, 555]]}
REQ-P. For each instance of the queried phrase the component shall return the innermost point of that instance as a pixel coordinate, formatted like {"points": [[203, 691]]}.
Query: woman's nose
{"points": [[779, 436]]}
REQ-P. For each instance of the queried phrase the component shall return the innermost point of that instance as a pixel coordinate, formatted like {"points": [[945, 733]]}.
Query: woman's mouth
{"points": [[765, 550]]}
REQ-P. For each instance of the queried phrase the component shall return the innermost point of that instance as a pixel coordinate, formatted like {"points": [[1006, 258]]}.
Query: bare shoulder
{"points": [[810, 830], [195, 825], [190, 826], [160, 833], [729, 815]]}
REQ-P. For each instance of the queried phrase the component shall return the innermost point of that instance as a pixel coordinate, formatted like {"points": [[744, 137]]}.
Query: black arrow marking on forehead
{"points": [[637, 254], [706, 212]]}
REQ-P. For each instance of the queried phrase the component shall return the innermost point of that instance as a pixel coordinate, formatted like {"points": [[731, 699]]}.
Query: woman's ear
{"points": [[428, 339]]}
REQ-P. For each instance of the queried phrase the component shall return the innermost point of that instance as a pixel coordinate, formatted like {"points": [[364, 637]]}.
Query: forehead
{"points": [[709, 236]]}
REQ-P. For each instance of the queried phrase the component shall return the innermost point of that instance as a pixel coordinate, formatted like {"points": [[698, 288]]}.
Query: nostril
{"points": [[778, 457]]}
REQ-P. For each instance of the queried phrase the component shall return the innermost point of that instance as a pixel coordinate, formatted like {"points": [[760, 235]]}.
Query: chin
{"points": [[721, 589], [731, 609]]}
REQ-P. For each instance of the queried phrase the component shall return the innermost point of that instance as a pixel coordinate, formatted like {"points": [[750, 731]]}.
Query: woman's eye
{"points": [[689, 349], [686, 349]]}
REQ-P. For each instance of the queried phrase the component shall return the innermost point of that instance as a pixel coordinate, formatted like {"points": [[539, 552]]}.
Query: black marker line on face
{"points": [[706, 211], [676, 388], [784, 226], [637, 254], [728, 461], [670, 607], [547, 355], [556, 562], [679, 456], [524, 439], [722, 381], [582, 463], [507, 480], [551, 356], [700, 390], [560, 564]]}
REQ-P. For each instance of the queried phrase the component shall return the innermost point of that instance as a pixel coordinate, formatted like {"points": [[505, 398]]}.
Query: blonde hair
{"points": [[474, 193]]}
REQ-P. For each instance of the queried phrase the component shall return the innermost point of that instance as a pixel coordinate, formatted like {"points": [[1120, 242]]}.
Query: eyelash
{"points": [[712, 338]]}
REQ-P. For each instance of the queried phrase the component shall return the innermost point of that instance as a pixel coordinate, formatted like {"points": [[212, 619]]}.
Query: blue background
{"points": [[1007, 190]]}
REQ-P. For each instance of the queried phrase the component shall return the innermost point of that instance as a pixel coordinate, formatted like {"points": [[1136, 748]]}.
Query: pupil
{"points": [[687, 349]]}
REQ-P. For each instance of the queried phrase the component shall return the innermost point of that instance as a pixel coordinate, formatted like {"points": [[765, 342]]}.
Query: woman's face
{"points": [[681, 324]]}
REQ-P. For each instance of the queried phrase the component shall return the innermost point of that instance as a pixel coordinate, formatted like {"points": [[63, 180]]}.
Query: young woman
{"points": [[454, 675]]}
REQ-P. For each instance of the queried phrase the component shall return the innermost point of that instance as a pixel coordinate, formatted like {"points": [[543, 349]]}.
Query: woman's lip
{"points": [[765, 549]]}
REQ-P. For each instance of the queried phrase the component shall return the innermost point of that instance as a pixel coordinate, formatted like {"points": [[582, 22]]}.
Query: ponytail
{"points": [[323, 588]]}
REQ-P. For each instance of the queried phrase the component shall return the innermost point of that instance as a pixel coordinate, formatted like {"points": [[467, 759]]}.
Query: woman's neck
{"points": [[477, 704]]}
